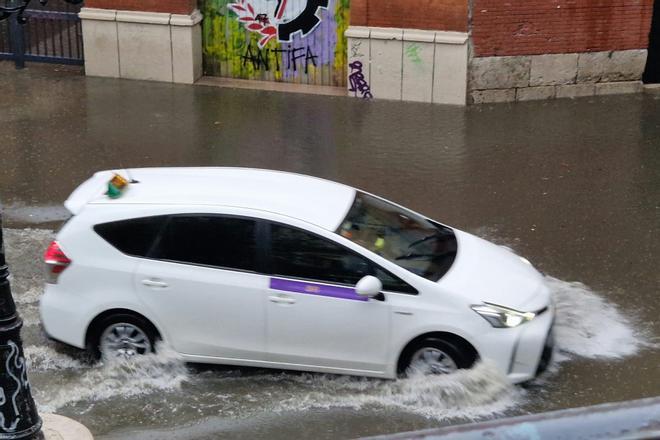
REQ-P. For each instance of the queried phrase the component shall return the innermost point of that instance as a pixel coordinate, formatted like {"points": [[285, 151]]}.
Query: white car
{"points": [[272, 269]]}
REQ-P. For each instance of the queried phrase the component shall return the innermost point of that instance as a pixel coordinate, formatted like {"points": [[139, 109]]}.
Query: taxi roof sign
{"points": [[116, 186]]}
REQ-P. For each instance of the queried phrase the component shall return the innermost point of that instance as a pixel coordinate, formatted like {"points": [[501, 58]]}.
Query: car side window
{"points": [[300, 254], [210, 240], [392, 283], [133, 237]]}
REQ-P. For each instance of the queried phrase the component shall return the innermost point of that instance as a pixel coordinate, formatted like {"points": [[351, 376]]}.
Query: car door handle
{"points": [[154, 283], [281, 300]]}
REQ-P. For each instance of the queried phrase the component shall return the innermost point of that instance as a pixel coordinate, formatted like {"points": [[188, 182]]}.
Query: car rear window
{"points": [[133, 237]]}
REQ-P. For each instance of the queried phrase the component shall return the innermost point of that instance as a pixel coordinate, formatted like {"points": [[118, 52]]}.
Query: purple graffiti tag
{"points": [[357, 81]]}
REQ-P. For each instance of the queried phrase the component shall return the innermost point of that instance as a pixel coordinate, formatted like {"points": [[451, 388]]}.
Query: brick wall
{"points": [[169, 6], [445, 15], [531, 27]]}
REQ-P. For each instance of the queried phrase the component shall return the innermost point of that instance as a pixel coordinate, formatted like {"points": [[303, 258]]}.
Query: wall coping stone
{"points": [[141, 17], [449, 37], [357, 32], [416, 35], [97, 14], [386, 33], [186, 20]]}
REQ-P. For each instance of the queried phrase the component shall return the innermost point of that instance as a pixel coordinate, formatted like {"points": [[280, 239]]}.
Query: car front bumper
{"points": [[533, 350]]}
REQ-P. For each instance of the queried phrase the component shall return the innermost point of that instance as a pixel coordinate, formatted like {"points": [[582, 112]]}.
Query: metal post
{"points": [[17, 38], [18, 413]]}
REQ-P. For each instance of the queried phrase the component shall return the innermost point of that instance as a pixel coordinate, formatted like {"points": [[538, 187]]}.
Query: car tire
{"points": [[443, 356], [129, 332]]}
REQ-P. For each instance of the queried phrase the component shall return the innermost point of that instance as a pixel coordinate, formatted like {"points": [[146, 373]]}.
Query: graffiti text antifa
{"points": [[293, 58]]}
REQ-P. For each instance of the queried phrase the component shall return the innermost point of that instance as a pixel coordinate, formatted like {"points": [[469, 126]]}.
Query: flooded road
{"points": [[572, 185]]}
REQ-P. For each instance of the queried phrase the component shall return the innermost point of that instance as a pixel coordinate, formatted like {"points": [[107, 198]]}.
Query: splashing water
{"points": [[478, 392], [589, 326], [162, 371], [45, 358]]}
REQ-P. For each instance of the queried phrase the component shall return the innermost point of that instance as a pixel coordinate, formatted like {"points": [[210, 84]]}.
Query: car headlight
{"points": [[502, 317]]}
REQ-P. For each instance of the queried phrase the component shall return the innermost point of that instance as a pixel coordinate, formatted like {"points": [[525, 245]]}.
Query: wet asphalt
{"points": [[572, 184]]}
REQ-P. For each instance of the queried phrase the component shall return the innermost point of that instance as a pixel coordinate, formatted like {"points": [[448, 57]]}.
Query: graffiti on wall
{"points": [[357, 82], [299, 41]]}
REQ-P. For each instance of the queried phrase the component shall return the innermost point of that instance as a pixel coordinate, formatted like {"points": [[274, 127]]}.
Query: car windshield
{"points": [[420, 245]]}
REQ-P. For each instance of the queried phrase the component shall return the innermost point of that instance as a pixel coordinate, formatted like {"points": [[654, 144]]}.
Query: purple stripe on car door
{"points": [[315, 289]]}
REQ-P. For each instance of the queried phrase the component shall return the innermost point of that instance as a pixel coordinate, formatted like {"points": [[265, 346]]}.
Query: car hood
{"points": [[485, 272]]}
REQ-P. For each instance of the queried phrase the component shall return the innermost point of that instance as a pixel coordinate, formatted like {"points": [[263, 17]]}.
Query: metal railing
{"points": [[52, 34]]}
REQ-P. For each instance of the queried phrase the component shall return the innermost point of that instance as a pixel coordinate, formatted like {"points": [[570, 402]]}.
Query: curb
{"points": [[63, 428], [652, 88]]}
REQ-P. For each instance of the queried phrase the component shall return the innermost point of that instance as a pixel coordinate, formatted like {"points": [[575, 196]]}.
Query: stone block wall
{"points": [[522, 78], [544, 49], [143, 45]]}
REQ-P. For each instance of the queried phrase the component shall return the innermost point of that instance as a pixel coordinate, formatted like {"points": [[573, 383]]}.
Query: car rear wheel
{"points": [[123, 337], [437, 356]]}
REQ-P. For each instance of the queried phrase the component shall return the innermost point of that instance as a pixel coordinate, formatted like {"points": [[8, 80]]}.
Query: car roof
{"points": [[310, 199]]}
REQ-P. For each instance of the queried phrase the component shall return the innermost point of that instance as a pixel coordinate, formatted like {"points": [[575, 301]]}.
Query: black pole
{"points": [[18, 413], [652, 71], [17, 37]]}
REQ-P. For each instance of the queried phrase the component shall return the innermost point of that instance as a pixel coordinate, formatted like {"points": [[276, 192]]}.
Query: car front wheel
{"points": [[437, 356]]}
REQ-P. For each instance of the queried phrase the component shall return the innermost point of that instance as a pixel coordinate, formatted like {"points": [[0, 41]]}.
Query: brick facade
{"points": [[168, 6], [445, 15], [534, 27]]}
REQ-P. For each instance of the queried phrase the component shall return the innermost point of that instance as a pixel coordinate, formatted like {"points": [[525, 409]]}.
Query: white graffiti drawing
{"points": [[280, 19], [21, 381]]}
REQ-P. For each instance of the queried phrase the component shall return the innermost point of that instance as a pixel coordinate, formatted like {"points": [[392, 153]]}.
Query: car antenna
{"points": [[130, 178]]}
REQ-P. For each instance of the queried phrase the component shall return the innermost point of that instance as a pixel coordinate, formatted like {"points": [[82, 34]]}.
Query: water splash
{"points": [[587, 325], [479, 392], [162, 371], [46, 358]]}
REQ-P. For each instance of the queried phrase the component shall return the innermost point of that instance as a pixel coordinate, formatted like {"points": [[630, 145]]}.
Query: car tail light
{"points": [[56, 262]]}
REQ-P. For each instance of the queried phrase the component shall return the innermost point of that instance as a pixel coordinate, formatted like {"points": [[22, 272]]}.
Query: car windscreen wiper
{"points": [[413, 256], [433, 236]]}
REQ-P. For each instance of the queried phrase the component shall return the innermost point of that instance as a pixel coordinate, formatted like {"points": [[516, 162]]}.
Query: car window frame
{"points": [[373, 266]]}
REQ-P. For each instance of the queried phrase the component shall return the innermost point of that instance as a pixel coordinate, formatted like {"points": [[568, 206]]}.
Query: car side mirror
{"points": [[368, 286]]}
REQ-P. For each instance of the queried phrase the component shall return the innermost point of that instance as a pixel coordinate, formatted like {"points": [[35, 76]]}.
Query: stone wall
{"points": [[529, 77], [142, 45]]}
